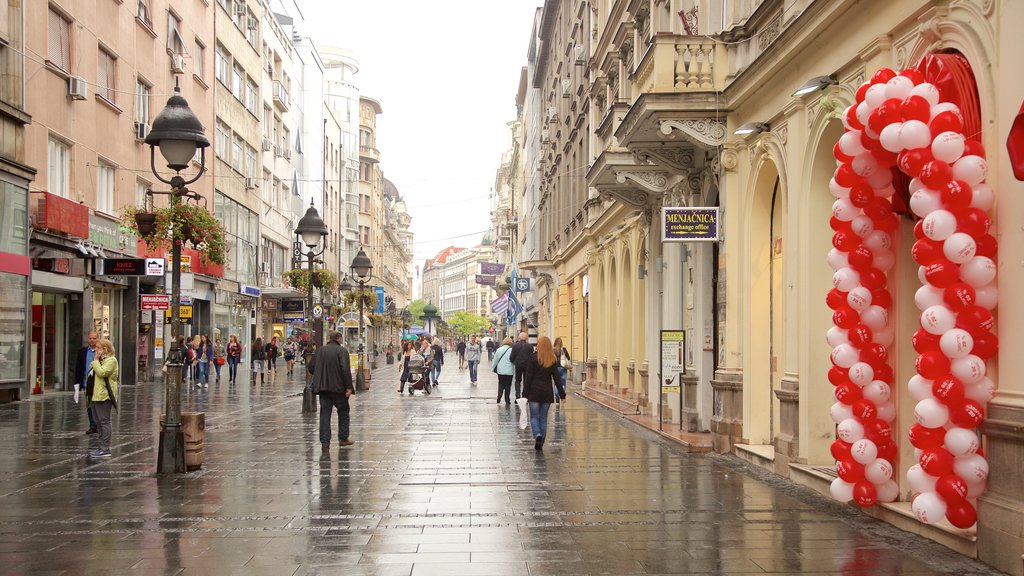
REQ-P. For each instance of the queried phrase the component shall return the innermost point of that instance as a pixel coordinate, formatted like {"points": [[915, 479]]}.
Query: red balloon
{"points": [[962, 514], [974, 148], [874, 354], [882, 76], [915, 108], [878, 431], [947, 121], [862, 91], [924, 341], [957, 195], [850, 470], [861, 195], [936, 174], [837, 225], [959, 296], [835, 299], [884, 157], [865, 494], [838, 153], [887, 224], [949, 390], [848, 393], [865, 409], [884, 373], [919, 229], [975, 320], [925, 251], [889, 450], [941, 274], [912, 161], [915, 76], [987, 246], [846, 177], [878, 209], [845, 241], [851, 119], [860, 335], [845, 317], [872, 278], [881, 297], [952, 488], [938, 462], [861, 258], [968, 415], [986, 345], [840, 449], [838, 376], [973, 221], [927, 438], [932, 364]]}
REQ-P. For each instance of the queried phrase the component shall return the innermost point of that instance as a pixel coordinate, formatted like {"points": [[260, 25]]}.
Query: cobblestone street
{"points": [[439, 484]]}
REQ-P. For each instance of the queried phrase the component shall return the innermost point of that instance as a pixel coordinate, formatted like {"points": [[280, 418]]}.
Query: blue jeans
{"points": [[539, 418], [473, 364], [204, 372], [436, 372], [232, 368], [561, 374], [328, 402]]}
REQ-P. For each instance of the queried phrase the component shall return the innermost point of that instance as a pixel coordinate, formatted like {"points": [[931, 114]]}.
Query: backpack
{"points": [[416, 361]]}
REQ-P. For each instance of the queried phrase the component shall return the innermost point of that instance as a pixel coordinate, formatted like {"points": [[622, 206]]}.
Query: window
{"points": [[175, 45], [222, 65], [238, 82], [142, 94], [268, 124], [197, 59], [58, 49], [105, 187], [59, 169], [252, 28], [250, 162], [107, 76], [285, 139], [222, 142], [252, 96], [144, 12], [237, 147], [140, 192]]}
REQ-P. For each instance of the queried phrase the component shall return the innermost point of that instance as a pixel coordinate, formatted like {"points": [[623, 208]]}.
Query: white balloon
{"points": [[837, 259], [948, 146], [878, 240], [850, 430], [875, 95], [885, 191], [921, 276], [956, 343], [881, 181], [925, 201], [862, 225], [878, 471], [971, 169], [929, 507], [883, 260], [840, 412], [919, 387], [837, 190], [919, 480], [972, 468], [928, 296], [959, 247], [978, 271], [931, 413], [887, 412], [939, 224], [983, 392], [883, 336], [915, 185], [836, 336], [917, 454], [961, 441], [890, 137], [898, 87], [877, 391], [850, 143], [983, 197], [845, 355], [938, 319], [928, 91], [939, 108], [874, 317], [843, 209], [841, 490], [859, 298], [975, 488], [888, 491], [970, 369], [986, 296], [915, 134], [846, 279], [864, 451], [864, 164], [864, 113], [861, 373]]}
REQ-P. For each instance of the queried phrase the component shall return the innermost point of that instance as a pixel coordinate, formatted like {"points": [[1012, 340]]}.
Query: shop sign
{"points": [[293, 306], [249, 290], [486, 280], [51, 212], [491, 268], [379, 309], [158, 337], [154, 301], [132, 266], [56, 265], [689, 224], [673, 343], [107, 233], [154, 266], [522, 285], [269, 304], [184, 314], [294, 317]]}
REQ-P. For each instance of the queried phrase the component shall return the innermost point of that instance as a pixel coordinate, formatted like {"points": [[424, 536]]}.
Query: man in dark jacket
{"points": [[520, 356], [82, 362], [332, 380]]}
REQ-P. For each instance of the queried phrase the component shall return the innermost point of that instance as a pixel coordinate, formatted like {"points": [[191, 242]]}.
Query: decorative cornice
{"points": [[705, 130], [655, 181], [675, 157]]}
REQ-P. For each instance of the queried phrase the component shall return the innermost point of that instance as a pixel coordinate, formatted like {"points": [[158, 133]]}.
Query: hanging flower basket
{"points": [[299, 279], [369, 298], [184, 223]]}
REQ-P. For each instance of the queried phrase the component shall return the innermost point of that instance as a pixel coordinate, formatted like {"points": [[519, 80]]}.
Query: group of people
{"points": [[199, 353], [539, 376], [432, 355], [264, 356]]}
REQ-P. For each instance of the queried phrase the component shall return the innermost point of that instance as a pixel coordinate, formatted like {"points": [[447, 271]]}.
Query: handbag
{"points": [[502, 357], [564, 360], [220, 360]]}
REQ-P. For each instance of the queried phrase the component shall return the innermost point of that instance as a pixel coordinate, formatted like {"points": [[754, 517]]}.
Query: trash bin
{"points": [[193, 426]]}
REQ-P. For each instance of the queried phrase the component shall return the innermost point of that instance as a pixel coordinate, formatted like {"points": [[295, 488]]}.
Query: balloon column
{"points": [[899, 120]]}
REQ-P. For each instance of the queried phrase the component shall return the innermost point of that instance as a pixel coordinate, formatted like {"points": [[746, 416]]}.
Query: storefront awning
{"points": [[274, 292]]}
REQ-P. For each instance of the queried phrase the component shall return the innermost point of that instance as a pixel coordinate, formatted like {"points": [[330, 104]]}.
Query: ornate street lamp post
{"points": [[311, 229], [431, 316], [178, 133], [362, 269]]}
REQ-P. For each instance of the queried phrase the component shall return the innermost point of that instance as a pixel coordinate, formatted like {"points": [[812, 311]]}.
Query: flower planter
{"points": [[145, 221]]}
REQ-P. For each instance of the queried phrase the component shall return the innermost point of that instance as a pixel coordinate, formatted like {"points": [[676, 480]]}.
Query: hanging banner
{"points": [[689, 224], [673, 344], [379, 308], [486, 280], [492, 268]]}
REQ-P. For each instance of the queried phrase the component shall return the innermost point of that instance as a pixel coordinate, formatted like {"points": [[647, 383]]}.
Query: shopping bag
{"points": [[524, 412]]}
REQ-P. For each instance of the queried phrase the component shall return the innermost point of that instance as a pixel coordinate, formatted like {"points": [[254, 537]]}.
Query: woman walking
{"points": [[473, 351], [259, 359], [289, 355], [563, 360], [403, 360], [103, 396], [541, 374], [437, 353], [506, 370], [218, 356], [234, 357], [204, 355], [272, 355]]}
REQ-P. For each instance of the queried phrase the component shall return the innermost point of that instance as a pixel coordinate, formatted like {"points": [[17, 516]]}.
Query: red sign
{"points": [[51, 212], [154, 301]]}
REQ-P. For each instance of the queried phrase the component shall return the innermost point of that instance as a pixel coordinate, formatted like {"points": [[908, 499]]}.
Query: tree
{"points": [[463, 323], [416, 309]]}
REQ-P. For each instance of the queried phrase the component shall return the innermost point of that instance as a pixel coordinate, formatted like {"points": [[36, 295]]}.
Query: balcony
{"points": [[369, 154], [280, 95]]}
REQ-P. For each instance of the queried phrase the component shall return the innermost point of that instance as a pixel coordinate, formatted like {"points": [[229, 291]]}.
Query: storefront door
{"points": [[49, 340]]}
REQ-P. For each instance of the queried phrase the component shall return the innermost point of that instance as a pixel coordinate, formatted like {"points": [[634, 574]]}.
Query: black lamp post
{"points": [[311, 229], [178, 133], [430, 315], [362, 269]]}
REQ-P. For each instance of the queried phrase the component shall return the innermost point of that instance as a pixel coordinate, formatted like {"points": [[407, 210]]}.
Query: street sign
{"points": [[184, 314], [689, 224], [318, 310], [522, 284], [154, 302]]}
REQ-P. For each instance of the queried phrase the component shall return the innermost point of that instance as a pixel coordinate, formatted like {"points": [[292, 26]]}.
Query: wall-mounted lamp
{"points": [[815, 84], [751, 128]]}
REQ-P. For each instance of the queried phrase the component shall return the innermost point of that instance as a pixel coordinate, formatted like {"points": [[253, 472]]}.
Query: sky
{"points": [[446, 75]]}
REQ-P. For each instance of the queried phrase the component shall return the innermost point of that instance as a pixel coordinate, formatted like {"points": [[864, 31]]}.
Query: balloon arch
{"points": [[924, 122]]}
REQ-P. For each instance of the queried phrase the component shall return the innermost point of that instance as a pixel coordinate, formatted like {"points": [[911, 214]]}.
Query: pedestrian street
{"points": [[439, 484]]}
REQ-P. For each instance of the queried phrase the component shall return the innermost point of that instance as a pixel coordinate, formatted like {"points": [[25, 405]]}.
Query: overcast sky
{"points": [[446, 74]]}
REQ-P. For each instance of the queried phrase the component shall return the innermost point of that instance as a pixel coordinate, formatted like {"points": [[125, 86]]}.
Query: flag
{"points": [[500, 304]]}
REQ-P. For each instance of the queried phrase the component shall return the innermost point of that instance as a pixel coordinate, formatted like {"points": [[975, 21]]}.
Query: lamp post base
{"points": [[171, 459]]}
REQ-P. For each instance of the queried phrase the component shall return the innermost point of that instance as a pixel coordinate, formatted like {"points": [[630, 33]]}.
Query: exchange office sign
{"points": [[689, 224]]}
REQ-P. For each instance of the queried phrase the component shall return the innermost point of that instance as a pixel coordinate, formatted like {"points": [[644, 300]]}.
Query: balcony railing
{"points": [[676, 63], [280, 94]]}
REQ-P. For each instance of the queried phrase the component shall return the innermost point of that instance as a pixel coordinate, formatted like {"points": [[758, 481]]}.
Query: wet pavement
{"points": [[440, 484]]}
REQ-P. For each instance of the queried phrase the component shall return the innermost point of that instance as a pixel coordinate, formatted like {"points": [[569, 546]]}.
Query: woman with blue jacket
{"points": [[503, 366]]}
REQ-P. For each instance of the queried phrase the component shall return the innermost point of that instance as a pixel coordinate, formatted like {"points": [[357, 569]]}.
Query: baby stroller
{"points": [[419, 376]]}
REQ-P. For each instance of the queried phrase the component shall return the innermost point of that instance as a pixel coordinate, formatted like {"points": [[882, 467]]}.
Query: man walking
{"points": [[473, 358], [520, 356], [461, 349], [332, 381], [85, 357]]}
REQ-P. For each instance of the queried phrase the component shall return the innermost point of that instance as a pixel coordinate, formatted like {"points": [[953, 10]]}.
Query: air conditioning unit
{"points": [[241, 9], [141, 131], [267, 144], [579, 53], [251, 23], [250, 183], [287, 154], [177, 63], [78, 88]]}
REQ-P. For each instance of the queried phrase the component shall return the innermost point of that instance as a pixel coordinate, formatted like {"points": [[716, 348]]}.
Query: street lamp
{"points": [[178, 133], [430, 315], [311, 230], [362, 268]]}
